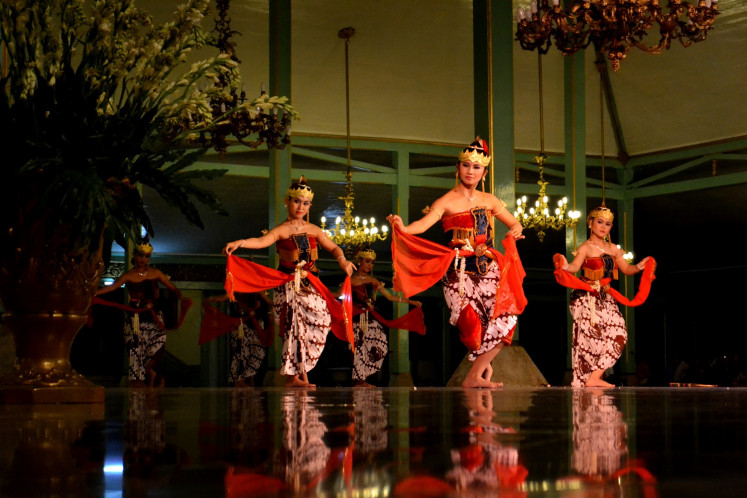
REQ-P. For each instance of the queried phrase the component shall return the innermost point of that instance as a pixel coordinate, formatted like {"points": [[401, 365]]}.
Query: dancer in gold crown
{"points": [[371, 343], [599, 333], [305, 307], [483, 288], [144, 329]]}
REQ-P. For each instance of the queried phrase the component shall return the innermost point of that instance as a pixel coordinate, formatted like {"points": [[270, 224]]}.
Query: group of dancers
{"points": [[482, 288]]}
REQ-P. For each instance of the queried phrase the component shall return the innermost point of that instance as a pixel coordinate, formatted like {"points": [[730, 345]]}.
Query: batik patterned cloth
{"points": [[247, 353], [142, 340], [370, 347], [479, 293], [598, 339], [307, 322]]}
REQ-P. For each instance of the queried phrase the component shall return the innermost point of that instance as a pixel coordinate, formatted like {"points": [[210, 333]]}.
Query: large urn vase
{"points": [[46, 292]]}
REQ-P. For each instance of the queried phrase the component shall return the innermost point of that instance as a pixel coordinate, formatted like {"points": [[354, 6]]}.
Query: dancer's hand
{"points": [[232, 246], [396, 220]]}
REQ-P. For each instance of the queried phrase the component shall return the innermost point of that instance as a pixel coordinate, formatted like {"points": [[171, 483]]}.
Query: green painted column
{"points": [[399, 340], [627, 364], [279, 160], [493, 29], [575, 159]]}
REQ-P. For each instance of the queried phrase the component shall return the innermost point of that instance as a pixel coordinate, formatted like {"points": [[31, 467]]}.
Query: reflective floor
{"points": [[380, 442]]}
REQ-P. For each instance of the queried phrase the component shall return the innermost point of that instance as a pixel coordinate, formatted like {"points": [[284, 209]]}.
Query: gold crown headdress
{"points": [[144, 247], [601, 212], [365, 253], [300, 189], [476, 152]]}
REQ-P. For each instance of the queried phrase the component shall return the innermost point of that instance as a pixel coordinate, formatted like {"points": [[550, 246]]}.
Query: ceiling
{"points": [[412, 78]]}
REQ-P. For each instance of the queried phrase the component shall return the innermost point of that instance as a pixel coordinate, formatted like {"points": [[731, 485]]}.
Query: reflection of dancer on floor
{"points": [[305, 454], [600, 435], [482, 461], [145, 334], [248, 346], [471, 284], [599, 333], [370, 336], [302, 304]]}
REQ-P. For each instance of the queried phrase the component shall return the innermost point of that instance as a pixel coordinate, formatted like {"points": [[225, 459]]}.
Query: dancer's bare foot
{"points": [[362, 383], [476, 381], [481, 372], [598, 383], [595, 380], [296, 381]]}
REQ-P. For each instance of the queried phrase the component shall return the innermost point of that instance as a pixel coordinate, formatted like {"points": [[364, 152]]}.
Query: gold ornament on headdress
{"points": [[476, 152], [300, 189], [144, 248], [366, 253], [602, 212]]}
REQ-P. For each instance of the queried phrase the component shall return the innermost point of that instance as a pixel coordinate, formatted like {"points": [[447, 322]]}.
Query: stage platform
{"points": [[251, 442]]}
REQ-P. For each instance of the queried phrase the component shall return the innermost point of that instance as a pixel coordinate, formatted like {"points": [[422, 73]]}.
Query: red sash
{"points": [[247, 276], [571, 281], [215, 323], [414, 320], [419, 264], [186, 303]]}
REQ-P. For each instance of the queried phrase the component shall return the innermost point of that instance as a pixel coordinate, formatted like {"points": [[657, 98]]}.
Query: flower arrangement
{"points": [[96, 99]]}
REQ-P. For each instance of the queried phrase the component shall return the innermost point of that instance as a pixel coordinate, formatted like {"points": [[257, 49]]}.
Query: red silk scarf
{"points": [[567, 279], [215, 323], [186, 303], [419, 264], [247, 276], [414, 320]]}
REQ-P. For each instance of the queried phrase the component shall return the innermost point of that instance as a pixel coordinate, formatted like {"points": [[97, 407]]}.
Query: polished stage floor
{"points": [[380, 442]]}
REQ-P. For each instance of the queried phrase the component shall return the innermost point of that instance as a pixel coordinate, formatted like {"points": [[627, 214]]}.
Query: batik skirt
{"points": [[479, 292]]}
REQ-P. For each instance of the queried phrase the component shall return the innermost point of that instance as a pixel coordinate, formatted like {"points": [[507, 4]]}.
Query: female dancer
{"points": [[482, 276], [144, 329], [305, 307], [599, 333], [370, 338], [251, 331]]}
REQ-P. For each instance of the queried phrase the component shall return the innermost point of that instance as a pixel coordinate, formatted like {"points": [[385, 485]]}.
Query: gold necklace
{"points": [[295, 227], [600, 248], [471, 199]]}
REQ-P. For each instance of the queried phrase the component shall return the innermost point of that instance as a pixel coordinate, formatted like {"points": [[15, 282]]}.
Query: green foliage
{"points": [[97, 99]]}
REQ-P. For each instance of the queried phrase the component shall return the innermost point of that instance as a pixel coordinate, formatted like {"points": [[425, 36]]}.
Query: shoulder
{"points": [[583, 249], [615, 251], [493, 203]]}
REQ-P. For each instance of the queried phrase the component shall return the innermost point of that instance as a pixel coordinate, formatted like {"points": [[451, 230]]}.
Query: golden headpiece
{"points": [[476, 152], [300, 189], [144, 247], [365, 253], [601, 212]]}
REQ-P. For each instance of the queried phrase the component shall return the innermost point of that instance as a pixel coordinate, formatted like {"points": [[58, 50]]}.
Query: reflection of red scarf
{"points": [[419, 264], [215, 323], [569, 280], [247, 276], [186, 303]]}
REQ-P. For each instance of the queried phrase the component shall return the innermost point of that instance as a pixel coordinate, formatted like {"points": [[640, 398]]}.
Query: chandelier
{"points": [[613, 26], [351, 232], [251, 122], [539, 217]]}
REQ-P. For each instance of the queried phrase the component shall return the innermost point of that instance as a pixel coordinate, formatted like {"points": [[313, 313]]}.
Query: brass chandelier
{"points": [[351, 232], [539, 217], [613, 26], [251, 122]]}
